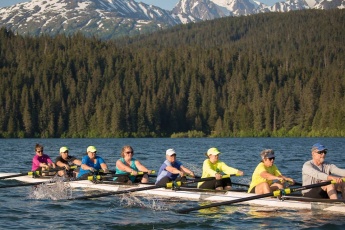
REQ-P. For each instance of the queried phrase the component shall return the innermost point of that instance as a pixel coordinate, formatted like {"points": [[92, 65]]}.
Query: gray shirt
{"points": [[313, 174]]}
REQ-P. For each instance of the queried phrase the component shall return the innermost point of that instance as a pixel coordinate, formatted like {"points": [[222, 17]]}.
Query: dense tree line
{"points": [[273, 74]]}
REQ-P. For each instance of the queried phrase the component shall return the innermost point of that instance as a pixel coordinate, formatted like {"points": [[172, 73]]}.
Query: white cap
{"points": [[170, 152]]}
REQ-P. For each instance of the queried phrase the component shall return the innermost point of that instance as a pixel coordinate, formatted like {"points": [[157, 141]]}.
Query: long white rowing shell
{"points": [[287, 202]]}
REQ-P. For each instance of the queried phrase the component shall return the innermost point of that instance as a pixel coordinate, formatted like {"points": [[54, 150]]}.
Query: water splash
{"points": [[55, 189], [147, 202]]}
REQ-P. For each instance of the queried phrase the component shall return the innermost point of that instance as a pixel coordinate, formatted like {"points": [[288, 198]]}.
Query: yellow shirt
{"points": [[257, 179], [209, 169]]}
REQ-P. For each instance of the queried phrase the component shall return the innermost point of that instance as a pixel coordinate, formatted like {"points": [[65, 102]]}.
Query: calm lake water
{"points": [[21, 210]]}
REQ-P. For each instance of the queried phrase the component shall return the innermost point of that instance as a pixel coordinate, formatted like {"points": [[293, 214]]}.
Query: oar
{"points": [[36, 173], [274, 193], [56, 169], [138, 173], [100, 177], [21, 174], [168, 185], [116, 192], [22, 185]]}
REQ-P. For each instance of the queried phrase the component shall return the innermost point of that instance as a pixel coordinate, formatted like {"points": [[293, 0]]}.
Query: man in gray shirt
{"points": [[317, 170]]}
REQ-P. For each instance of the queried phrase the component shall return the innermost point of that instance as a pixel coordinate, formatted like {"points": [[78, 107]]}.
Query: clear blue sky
{"points": [[164, 4]]}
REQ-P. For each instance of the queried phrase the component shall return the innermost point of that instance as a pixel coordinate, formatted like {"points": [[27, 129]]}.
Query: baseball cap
{"points": [[213, 151], [63, 149], [267, 153], [318, 147], [170, 152], [91, 149]]}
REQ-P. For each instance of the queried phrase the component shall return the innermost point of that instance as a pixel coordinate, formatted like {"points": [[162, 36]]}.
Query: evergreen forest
{"points": [[265, 75]]}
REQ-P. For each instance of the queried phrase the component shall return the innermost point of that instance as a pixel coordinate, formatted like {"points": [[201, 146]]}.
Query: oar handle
{"points": [[59, 169], [128, 174], [100, 177]]}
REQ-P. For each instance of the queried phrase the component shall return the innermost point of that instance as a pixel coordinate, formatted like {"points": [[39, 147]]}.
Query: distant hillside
{"points": [[275, 74]]}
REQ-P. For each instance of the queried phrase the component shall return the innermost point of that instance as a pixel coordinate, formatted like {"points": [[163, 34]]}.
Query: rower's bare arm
{"points": [[141, 167], [104, 167], [239, 173], [174, 170], [187, 171], [269, 176]]}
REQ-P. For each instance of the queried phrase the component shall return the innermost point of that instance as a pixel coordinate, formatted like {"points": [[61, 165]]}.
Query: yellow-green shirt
{"points": [[209, 169], [257, 179]]}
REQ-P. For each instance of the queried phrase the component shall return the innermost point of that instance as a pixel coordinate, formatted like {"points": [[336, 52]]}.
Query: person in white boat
{"points": [[41, 161], [64, 160], [213, 167], [91, 163], [172, 170], [127, 164], [266, 177], [318, 170]]}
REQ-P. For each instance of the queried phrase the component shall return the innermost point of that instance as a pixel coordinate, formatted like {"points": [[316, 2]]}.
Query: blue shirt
{"points": [[86, 160], [164, 173]]}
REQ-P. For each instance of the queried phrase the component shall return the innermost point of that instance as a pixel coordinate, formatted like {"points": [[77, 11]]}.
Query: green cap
{"points": [[91, 149], [63, 149]]}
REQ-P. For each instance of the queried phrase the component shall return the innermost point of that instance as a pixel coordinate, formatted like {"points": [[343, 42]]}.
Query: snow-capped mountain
{"points": [[106, 18], [115, 18]]}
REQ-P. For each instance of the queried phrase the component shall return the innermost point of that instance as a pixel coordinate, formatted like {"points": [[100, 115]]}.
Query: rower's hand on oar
{"points": [[91, 169], [218, 176], [149, 172], [291, 181], [181, 174], [66, 166], [134, 173], [337, 179], [191, 174], [106, 170]]}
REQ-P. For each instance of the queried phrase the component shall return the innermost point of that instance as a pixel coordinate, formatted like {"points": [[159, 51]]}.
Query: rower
{"points": [[64, 160], [317, 170], [213, 167], [172, 170], [91, 163], [129, 168], [266, 173], [41, 162]]}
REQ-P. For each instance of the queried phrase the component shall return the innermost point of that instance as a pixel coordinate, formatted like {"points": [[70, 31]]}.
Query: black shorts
{"points": [[316, 193], [213, 184], [125, 179], [165, 180]]}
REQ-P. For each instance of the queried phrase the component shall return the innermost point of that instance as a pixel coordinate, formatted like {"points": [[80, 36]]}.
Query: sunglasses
{"points": [[272, 158], [39, 151], [320, 152], [65, 152], [129, 152]]}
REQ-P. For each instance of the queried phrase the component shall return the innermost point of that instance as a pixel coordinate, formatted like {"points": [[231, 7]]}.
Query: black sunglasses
{"points": [[320, 152], [272, 158]]}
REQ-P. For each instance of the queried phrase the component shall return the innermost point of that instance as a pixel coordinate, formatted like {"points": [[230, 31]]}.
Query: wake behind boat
{"points": [[193, 194]]}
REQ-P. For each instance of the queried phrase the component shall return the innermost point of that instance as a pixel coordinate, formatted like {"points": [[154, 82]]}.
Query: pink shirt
{"points": [[37, 160]]}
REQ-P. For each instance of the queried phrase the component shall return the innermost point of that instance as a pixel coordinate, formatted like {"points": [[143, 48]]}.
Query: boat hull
{"points": [[186, 194]]}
